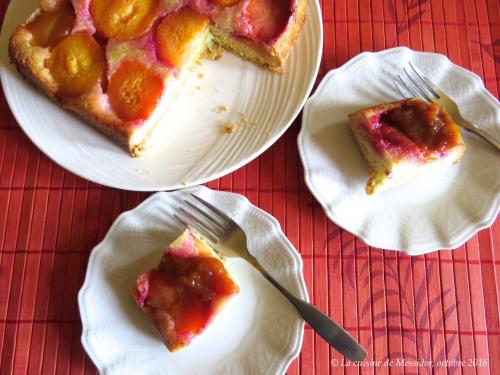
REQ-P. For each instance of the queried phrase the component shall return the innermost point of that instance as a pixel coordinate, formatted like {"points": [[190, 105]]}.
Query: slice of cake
{"points": [[403, 139], [119, 63], [185, 292]]}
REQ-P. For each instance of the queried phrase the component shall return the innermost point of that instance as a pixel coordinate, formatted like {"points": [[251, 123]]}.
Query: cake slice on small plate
{"points": [[186, 291], [405, 139]]}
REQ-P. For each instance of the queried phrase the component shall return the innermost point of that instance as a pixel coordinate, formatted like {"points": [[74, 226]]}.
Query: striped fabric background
{"points": [[440, 306]]}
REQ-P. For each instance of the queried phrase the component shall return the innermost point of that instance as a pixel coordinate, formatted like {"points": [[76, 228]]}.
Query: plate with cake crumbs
{"points": [[398, 172], [123, 102], [146, 310]]}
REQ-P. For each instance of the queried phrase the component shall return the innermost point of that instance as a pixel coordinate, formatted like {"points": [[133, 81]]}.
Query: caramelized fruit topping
{"points": [[426, 124], [176, 35], [76, 63], [225, 3], [268, 18], [196, 282], [49, 28], [123, 19], [134, 91]]}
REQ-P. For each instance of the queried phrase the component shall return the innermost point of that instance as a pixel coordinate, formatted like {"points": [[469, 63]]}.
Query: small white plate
{"points": [[418, 217], [258, 331], [192, 148]]}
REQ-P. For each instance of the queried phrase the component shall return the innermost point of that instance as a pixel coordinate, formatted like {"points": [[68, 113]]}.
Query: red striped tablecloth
{"points": [[440, 306]]}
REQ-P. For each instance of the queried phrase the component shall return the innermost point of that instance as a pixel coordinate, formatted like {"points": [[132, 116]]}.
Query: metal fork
{"points": [[227, 237], [415, 84]]}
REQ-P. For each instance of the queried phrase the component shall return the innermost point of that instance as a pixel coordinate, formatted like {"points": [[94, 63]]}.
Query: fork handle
{"points": [[330, 331], [480, 132]]}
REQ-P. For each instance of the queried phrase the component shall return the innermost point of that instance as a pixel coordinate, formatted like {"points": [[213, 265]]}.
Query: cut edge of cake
{"points": [[274, 56]]}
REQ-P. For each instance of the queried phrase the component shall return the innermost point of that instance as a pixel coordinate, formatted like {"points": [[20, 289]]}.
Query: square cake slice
{"points": [[186, 291], [404, 139]]}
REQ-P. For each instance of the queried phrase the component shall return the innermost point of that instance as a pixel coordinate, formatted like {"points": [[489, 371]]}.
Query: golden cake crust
{"points": [[272, 57], [282, 48]]}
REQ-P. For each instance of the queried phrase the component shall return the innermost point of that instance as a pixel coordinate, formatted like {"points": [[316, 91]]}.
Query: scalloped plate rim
{"points": [[412, 249], [297, 266]]}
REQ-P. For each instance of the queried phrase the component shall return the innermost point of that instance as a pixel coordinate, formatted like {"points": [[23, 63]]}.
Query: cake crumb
{"points": [[201, 75], [184, 183], [220, 109], [198, 87], [230, 128], [214, 52], [246, 122]]}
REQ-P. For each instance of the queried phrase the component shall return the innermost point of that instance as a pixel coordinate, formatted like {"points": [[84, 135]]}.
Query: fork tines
{"points": [[416, 84], [207, 220]]}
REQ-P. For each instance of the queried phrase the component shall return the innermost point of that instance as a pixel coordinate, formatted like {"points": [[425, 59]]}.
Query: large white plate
{"points": [[417, 217], [258, 332], [192, 147]]}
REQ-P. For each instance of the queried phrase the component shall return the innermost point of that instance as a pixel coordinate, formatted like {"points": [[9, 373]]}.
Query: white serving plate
{"points": [[257, 332], [192, 148]]}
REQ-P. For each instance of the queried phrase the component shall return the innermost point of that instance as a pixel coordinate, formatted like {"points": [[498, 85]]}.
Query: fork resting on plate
{"points": [[417, 85], [229, 239]]}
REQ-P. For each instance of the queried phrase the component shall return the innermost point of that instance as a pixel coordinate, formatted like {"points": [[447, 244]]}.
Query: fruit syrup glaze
{"points": [[418, 130]]}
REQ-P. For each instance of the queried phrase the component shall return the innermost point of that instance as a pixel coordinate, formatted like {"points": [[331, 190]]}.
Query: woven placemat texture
{"points": [[428, 308]]}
